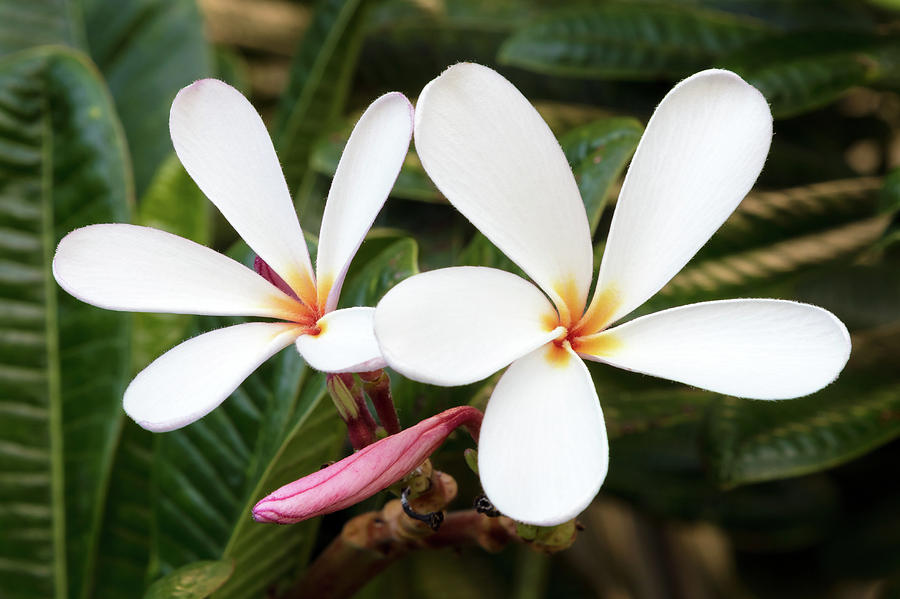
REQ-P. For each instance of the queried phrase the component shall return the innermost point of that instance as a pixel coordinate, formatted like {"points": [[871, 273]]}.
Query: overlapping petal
{"points": [[543, 451], [489, 151], [365, 175], [755, 348], [458, 325], [139, 269], [701, 153], [190, 380], [345, 342], [224, 146]]}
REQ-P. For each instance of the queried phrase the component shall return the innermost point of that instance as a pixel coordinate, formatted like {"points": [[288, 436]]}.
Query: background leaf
{"points": [[64, 364], [319, 80], [753, 441], [24, 25], [772, 238], [194, 581], [598, 153], [628, 41], [207, 476], [147, 51], [803, 71]]}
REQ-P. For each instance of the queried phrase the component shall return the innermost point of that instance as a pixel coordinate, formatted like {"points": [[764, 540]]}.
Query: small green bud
{"points": [[528, 532], [343, 398], [471, 456]]}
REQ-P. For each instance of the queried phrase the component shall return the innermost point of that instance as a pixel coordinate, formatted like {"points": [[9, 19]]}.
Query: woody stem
{"points": [[371, 542]]}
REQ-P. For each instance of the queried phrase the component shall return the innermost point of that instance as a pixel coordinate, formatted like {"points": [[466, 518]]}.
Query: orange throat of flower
{"points": [[587, 335]]}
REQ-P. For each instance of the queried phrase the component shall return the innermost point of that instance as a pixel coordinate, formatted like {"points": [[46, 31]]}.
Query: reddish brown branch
{"points": [[371, 542]]}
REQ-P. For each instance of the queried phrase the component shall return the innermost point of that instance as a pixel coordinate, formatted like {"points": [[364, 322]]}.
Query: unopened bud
{"points": [[366, 472]]}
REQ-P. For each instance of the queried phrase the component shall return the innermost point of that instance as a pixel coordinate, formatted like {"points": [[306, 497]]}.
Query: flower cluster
{"points": [[543, 450]]}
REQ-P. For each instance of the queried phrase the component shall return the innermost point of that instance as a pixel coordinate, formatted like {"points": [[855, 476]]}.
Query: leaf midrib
{"points": [[54, 394]]}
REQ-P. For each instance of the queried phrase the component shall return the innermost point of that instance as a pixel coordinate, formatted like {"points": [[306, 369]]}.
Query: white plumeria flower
{"points": [[543, 453], [224, 146]]}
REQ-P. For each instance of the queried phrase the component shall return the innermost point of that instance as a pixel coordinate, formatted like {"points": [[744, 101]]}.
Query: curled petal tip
{"points": [[366, 472]]}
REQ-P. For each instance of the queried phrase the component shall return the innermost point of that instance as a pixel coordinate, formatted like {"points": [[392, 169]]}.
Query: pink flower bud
{"points": [[366, 472]]}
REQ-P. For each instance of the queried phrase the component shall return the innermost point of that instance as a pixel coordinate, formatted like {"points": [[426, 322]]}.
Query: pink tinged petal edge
{"points": [[366, 472], [193, 378], [752, 348], [224, 146], [543, 452], [458, 325], [489, 151], [365, 175], [703, 149]]}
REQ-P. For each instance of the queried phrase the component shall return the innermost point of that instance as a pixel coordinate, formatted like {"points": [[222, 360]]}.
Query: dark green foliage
{"points": [[63, 364]]}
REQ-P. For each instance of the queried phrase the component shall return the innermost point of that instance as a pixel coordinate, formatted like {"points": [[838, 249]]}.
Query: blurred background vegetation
{"points": [[707, 496]]}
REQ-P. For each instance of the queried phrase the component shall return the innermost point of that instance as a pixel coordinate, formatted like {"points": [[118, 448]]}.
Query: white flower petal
{"points": [[458, 325], [488, 150], [139, 269], [224, 146], [192, 379], [701, 153], [756, 348], [365, 175], [543, 451], [346, 342]]}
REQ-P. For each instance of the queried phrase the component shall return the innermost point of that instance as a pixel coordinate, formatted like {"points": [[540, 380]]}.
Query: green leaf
{"points": [[266, 553], [799, 15], [773, 237], [628, 41], [598, 153], [24, 25], [753, 441], [804, 71], [889, 4], [147, 51], [63, 364], [207, 476], [372, 278], [319, 79], [175, 204], [125, 539], [889, 199], [481, 252], [194, 581]]}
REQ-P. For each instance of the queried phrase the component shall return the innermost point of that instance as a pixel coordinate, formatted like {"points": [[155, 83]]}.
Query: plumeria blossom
{"points": [[366, 472], [224, 146], [543, 453]]}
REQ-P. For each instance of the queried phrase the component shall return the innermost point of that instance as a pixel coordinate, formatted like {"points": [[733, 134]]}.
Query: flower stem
{"points": [[377, 385], [371, 542]]}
